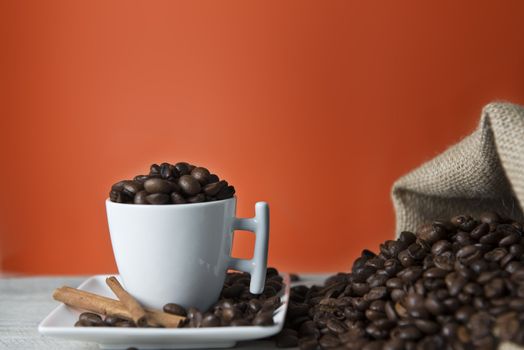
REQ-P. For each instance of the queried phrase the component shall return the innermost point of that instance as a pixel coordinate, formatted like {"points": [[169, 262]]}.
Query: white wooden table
{"points": [[24, 302]]}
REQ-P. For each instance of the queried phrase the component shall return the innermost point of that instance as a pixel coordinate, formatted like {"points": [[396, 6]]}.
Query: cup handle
{"points": [[256, 266]]}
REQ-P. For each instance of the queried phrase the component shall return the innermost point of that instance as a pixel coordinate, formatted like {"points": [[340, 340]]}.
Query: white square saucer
{"points": [[60, 323]]}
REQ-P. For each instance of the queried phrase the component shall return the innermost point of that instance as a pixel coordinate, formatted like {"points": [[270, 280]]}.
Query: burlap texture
{"points": [[484, 171]]}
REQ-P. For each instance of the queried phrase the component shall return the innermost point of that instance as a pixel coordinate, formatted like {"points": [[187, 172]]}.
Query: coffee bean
{"points": [[175, 309], [308, 328], [226, 192], [336, 326], [410, 274], [445, 261], [198, 198], [491, 238], [201, 174], [210, 320], [455, 283], [286, 341], [376, 293], [463, 222], [408, 333], [189, 185], [177, 198], [157, 198], [489, 218], [263, 319], [195, 317], [480, 231], [431, 233], [125, 324], [435, 272], [468, 254], [212, 189], [131, 188], [506, 326], [329, 341], [141, 198], [510, 239], [112, 320], [154, 169], [156, 185], [91, 319]]}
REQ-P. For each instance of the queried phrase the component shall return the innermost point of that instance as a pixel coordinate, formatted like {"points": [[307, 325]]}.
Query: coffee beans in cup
{"points": [[179, 183]]}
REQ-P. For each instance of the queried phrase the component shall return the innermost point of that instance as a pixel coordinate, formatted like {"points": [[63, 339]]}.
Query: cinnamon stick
{"points": [[135, 309], [109, 307]]}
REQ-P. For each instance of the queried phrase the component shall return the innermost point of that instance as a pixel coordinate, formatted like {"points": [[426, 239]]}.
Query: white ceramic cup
{"points": [[180, 253]]}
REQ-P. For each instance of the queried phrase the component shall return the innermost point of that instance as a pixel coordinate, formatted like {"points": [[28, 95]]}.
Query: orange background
{"points": [[315, 107]]}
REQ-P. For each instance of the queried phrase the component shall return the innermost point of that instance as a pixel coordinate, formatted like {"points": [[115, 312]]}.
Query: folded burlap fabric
{"points": [[484, 171]]}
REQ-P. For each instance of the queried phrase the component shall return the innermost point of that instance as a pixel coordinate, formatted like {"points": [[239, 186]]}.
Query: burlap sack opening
{"points": [[484, 171]]}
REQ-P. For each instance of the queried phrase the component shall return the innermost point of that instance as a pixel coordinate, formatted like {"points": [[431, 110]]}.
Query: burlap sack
{"points": [[484, 171]]}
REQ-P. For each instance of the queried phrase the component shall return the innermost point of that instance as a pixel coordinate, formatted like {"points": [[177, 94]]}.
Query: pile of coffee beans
{"points": [[456, 284], [166, 183], [236, 306]]}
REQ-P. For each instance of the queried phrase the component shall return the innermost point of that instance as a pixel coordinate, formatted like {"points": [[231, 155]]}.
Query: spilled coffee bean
{"points": [[456, 285], [236, 307]]}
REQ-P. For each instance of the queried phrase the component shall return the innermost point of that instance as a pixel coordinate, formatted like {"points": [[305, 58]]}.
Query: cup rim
{"points": [[185, 205]]}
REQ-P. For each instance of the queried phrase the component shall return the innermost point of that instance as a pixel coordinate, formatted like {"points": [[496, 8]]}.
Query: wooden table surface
{"points": [[24, 302]]}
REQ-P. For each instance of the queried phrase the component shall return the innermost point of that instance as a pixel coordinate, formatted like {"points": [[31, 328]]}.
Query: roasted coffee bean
{"points": [[201, 175], [239, 323], [140, 178], [156, 185], [177, 198], [336, 326], [175, 309], [234, 291], [431, 233], [463, 222], [506, 326], [263, 319], [141, 198], [226, 192], [210, 320], [286, 341], [407, 333], [182, 168], [376, 293], [157, 198], [131, 188], [410, 274], [112, 320], [91, 319], [392, 267], [125, 324], [328, 341], [491, 238], [212, 189], [307, 343], [198, 198], [479, 231], [194, 316], [175, 180], [189, 185], [489, 217], [154, 169], [510, 239]]}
